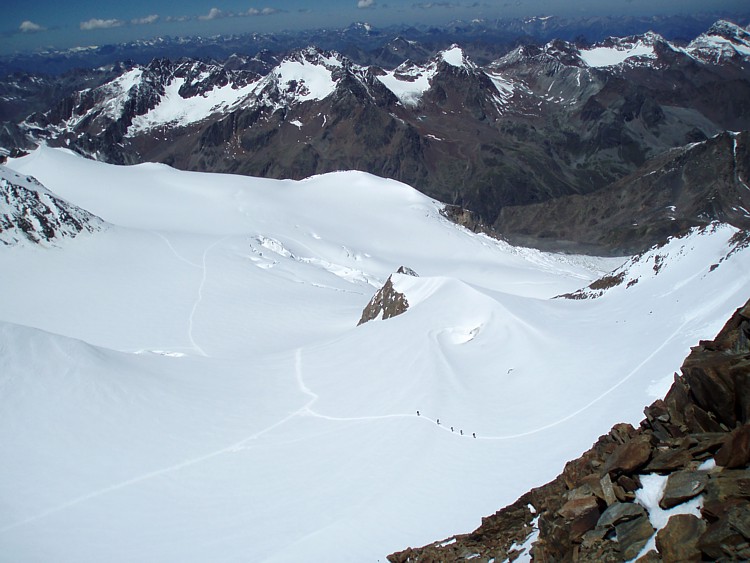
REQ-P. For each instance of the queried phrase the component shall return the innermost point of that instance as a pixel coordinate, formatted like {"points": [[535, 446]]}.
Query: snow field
{"points": [[190, 384], [175, 110], [612, 56]]}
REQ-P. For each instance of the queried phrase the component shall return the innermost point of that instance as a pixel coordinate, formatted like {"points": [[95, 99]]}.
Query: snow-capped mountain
{"points": [[367, 44], [161, 94], [450, 74], [540, 123], [311, 75], [638, 50], [722, 42], [31, 213], [191, 383]]}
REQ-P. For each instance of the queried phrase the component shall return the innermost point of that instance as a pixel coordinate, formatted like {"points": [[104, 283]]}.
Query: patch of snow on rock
{"points": [[649, 495], [309, 81], [409, 82], [612, 56], [454, 57], [173, 109]]}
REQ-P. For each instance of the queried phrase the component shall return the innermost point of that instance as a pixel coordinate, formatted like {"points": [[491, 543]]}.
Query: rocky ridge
{"points": [[677, 488], [686, 187], [667, 255], [31, 213]]}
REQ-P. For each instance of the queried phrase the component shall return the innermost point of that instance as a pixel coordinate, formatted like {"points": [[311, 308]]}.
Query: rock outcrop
{"points": [[387, 302], [695, 442], [31, 213]]}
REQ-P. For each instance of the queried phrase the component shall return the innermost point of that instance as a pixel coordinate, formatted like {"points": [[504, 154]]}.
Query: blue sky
{"points": [[36, 24]]}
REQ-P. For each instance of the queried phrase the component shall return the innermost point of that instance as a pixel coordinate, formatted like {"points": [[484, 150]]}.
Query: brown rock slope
{"points": [[589, 513], [686, 187], [387, 302]]}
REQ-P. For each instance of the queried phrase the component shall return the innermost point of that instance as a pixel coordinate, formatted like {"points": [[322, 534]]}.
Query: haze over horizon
{"points": [[46, 24]]}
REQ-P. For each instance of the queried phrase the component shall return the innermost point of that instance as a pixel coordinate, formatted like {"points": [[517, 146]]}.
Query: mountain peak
{"points": [[315, 55], [723, 41], [362, 28], [455, 56], [728, 30]]}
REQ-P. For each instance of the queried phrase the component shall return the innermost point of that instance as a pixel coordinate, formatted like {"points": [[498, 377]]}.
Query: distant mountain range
{"points": [[484, 40], [542, 122]]}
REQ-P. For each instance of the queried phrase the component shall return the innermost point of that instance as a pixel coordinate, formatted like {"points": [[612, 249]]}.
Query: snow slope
{"points": [[190, 384], [409, 81], [174, 110], [618, 52]]}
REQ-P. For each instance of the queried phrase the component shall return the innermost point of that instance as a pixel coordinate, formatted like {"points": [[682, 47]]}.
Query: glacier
{"points": [[189, 383]]}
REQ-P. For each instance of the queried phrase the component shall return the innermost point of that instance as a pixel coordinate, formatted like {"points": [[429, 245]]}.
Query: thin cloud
{"points": [[96, 23], [363, 4], [431, 5], [214, 14], [261, 12], [153, 18], [30, 27]]}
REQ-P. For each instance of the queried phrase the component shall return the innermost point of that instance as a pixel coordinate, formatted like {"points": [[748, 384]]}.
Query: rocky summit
{"points": [[677, 488]]}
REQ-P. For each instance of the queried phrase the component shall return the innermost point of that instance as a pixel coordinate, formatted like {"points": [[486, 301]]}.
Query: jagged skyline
{"points": [[47, 24]]}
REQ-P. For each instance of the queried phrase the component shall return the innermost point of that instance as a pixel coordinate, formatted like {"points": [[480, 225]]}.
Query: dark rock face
{"points": [[682, 486], [387, 302], [687, 187], [588, 512], [678, 540], [735, 452], [629, 457]]}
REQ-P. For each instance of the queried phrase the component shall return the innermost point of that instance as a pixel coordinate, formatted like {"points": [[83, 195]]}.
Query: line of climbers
{"points": [[452, 430]]}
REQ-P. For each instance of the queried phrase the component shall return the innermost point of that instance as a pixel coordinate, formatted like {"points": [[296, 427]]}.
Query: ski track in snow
{"points": [[208, 249], [595, 400], [233, 448], [179, 256], [306, 410]]}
